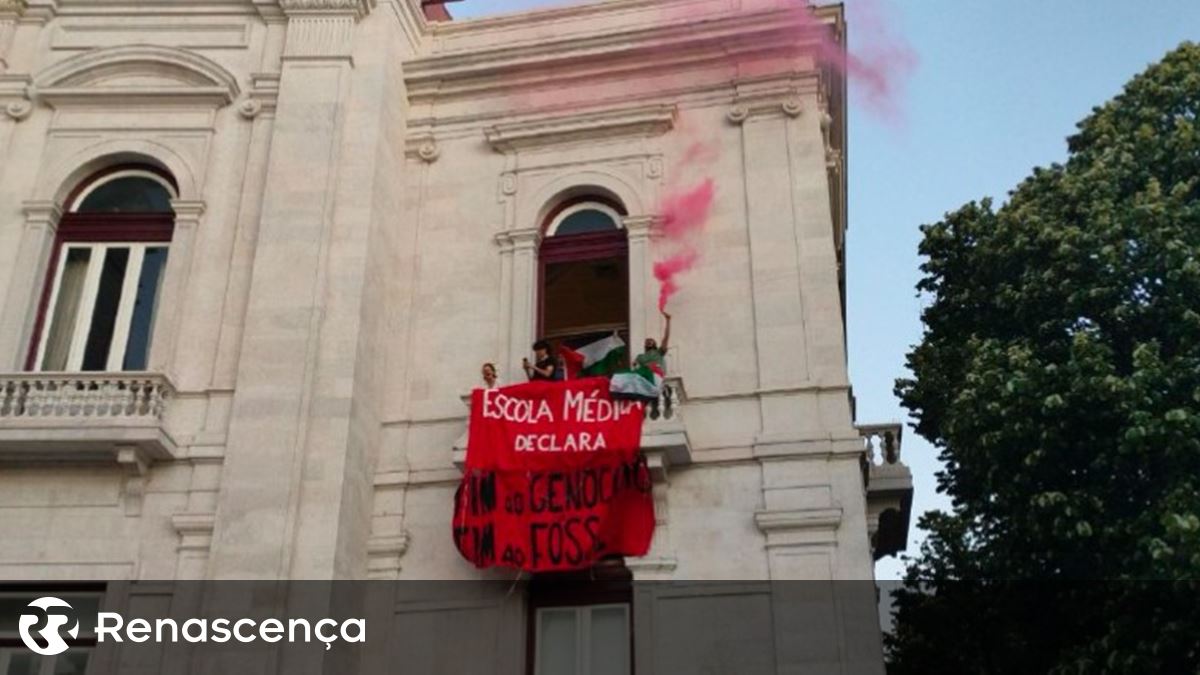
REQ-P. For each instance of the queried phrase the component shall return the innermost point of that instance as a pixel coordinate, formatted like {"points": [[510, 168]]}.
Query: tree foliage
{"points": [[1059, 377]]}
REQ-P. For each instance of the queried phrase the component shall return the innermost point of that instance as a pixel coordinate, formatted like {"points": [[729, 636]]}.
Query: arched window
{"points": [[102, 289], [584, 272]]}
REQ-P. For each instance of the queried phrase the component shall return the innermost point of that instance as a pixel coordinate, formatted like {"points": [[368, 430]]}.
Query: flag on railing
{"points": [[643, 383], [600, 358]]}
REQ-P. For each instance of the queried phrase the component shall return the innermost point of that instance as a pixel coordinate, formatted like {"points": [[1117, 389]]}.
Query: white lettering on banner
{"points": [[581, 442], [500, 406], [581, 407]]}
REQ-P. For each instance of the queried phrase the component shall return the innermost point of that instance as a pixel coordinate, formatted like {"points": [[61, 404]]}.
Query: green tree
{"points": [[1059, 377]]}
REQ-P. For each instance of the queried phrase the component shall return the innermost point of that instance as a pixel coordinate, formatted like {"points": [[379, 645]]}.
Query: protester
{"points": [[655, 354], [545, 367], [490, 380], [645, 381]]}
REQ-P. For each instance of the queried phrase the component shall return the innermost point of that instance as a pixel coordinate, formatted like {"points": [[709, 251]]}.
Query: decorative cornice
{"points": [[481, 62], [524, 239], [41, 212], [642, 121], [359, 8], [187, 210]]}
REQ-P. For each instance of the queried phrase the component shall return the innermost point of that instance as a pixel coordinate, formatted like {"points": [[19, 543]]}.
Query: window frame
{"points": [[117, 173], [581, 247], [583, 622], [585, 204], [606, 584], [10, 642], [98, 229], [89, 293]]}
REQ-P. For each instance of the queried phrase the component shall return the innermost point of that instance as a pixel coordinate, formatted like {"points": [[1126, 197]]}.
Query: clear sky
{"points": [[1000, 85]]}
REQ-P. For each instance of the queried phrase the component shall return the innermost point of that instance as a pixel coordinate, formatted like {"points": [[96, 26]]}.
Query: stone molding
{"points": [[14, 95], [771, 97], [194, 529], [356, 8], [637, 122], [263, 96], [799, 527], [487, 64], [384, 553], [320, 36], [186, 77]]}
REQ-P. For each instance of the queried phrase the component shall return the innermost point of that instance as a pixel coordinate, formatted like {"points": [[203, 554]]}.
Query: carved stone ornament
{"points": [[508, 183], [18, 110], [738, 114], [429, 151], [792, 107], [654, 167], [250, 108]]}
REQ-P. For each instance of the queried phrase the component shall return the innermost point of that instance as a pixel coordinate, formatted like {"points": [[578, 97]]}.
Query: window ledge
{"points": [[85, 417]]}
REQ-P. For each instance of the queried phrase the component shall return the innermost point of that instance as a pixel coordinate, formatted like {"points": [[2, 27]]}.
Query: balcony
{"points": [[889, 488], [664, 438], [85, 417]]}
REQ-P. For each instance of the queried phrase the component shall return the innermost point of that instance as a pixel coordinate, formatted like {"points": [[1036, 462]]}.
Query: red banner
{"points": [[555, 479]]}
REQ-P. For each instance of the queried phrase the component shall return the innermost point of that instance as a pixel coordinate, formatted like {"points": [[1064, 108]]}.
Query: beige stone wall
{"points": [[360, 194]]}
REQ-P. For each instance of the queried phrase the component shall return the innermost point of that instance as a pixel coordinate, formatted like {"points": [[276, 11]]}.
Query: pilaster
{"points": [[180, 261], [303, 424], [521, 249], [20, 304], [638, 229]]}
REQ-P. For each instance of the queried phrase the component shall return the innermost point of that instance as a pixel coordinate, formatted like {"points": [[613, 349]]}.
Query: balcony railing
{"points": [[889, 488], [882, 442], [68, 415], [82, 395]]}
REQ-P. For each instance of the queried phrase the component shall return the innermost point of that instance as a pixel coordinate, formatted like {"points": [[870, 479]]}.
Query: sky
{"points": [[999, 86]]}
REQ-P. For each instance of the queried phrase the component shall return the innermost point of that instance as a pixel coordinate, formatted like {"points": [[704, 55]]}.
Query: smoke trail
{"points": [[666, 270], [684, 216], [881, 62]]}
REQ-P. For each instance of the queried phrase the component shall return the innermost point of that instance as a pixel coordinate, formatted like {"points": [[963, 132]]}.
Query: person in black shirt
{"points": [[545, 367]]}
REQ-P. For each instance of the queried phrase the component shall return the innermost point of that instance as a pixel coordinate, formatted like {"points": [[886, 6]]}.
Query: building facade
{"points": [[253, 253]]}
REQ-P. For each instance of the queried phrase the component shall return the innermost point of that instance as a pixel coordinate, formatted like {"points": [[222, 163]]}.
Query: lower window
{"points": [[582, 640], [81, 609]]}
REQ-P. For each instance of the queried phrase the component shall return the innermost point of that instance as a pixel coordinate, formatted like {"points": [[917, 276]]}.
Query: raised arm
{"points": [[662, 346]]}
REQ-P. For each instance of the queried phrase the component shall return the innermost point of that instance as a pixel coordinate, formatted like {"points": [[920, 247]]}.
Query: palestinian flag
{"points": [[643, 383], [600, 358]]}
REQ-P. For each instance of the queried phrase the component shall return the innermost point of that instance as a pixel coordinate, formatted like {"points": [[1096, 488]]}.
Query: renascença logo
{"points": [[51, 632], [110, 625]]}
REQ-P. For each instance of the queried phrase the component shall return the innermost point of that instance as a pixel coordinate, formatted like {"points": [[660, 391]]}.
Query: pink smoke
{"points": [[685, 212], [684, 216], [880, 64], [666, 271]]}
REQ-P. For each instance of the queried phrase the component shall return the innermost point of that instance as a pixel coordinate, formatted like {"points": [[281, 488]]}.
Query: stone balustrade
{"points": [[83, 396], [889, 489], [882, 442], [85, 417]]}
